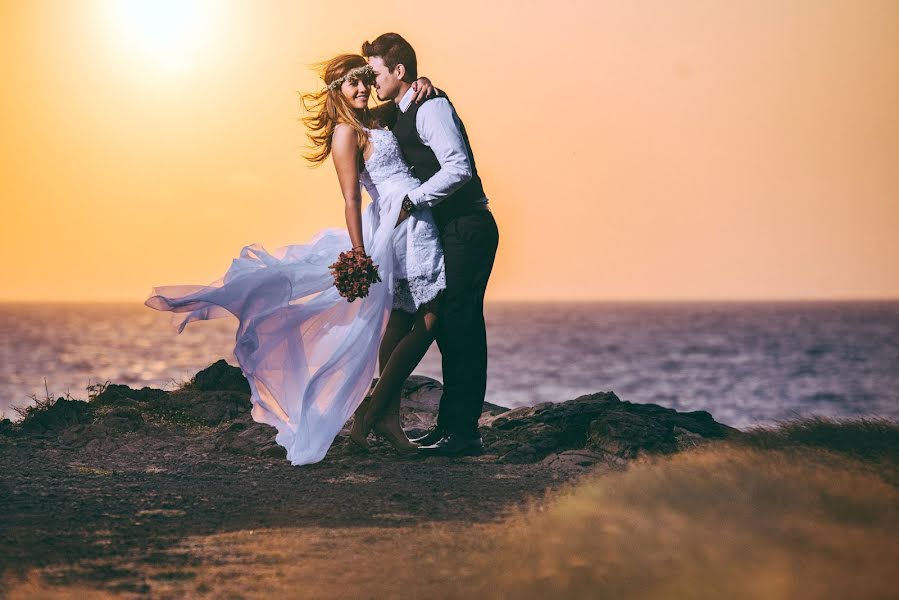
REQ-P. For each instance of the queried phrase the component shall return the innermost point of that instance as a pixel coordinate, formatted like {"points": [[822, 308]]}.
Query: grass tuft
{"points": [[39, 404]]}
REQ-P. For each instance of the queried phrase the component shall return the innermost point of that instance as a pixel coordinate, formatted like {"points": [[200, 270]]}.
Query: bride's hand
{"points": [[423, 89]]}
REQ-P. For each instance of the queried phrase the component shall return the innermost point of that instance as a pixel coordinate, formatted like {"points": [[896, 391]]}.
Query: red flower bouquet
{"points": [[354, 272]]}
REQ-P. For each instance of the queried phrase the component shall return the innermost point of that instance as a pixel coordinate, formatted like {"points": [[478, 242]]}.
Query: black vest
{"points": [[424, 165]]}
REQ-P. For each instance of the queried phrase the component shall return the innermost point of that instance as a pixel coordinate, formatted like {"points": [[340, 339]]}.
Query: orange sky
{"points": [[630, 150]]}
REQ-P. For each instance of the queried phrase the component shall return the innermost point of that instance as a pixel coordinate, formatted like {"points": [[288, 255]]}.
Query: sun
{"points": [[170, 34]]}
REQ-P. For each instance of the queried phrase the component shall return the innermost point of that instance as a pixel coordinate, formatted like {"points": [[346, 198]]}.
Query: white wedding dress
{"points": [[309, 354]]}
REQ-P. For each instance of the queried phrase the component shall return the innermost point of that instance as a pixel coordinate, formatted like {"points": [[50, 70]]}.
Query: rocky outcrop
{"points": [[220, 377], [58, 416], [591, 429], [596, 428], [245, 436], [213, 396]]}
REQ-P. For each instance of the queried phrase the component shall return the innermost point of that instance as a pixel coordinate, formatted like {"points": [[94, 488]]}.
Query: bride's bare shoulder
{"points": [[342, 130], [344, 141], [344, 135]]}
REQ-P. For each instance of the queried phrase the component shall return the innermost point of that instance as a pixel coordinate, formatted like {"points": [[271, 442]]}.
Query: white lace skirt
{"points": [[419, 273]]}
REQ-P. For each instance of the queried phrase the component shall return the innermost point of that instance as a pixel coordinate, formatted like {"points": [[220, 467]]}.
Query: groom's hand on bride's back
{"points": [[423, 88], [404, 213], [402, 217]]}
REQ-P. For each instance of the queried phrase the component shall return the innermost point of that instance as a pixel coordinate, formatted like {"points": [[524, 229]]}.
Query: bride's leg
{"points": [[385, 398], [398, 325]]}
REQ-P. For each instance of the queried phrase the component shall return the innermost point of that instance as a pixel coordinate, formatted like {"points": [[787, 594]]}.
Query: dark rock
{"points": [[501, 447], [208, 408], [273, 450], [61, 414], [121, 420], [625, 434], [684, 438], [245, 436], [116, 394], [104, 431], [122, 402], [220, 377], [553, 427], [7, 428], [190, 403], [74, 436], [100, 444], [635, 428], [520, 453], [596, 425], [579, 459]]}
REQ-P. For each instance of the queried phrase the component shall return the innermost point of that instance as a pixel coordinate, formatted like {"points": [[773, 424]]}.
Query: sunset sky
{"points": [[641, 150]]}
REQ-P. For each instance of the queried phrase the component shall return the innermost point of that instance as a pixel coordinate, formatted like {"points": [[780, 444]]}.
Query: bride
{"points": [[308, 354]]}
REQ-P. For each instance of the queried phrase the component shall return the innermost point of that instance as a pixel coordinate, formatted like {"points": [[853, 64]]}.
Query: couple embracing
{"points": [[308, 353]]}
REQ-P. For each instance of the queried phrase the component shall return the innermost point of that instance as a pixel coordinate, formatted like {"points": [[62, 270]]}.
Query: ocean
{"points": [[747, 363]]}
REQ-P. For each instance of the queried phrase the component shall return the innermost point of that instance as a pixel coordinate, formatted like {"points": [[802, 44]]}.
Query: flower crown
{"points": [[365, 73]]}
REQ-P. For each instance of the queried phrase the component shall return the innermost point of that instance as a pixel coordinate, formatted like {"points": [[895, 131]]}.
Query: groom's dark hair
{"points": [[394, 50]]}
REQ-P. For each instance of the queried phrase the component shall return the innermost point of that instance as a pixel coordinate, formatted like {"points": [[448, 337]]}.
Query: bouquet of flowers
{"points": [[354, 272]]}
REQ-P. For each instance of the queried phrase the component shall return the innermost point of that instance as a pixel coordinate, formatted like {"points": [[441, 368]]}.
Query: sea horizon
{"points": [[808, 300], [746, 362]]}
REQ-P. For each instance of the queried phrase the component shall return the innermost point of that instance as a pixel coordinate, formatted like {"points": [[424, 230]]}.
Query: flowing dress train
{"points": [[308, 354]]}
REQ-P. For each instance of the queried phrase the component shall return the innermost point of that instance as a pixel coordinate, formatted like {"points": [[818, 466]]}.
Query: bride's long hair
{"points": [[330, 107]]}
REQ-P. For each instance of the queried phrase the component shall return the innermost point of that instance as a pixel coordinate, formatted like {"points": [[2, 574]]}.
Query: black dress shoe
{"points": [[435, 432], [454, 444]]}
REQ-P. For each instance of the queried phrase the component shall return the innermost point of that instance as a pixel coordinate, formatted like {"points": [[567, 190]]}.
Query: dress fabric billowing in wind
{"points": [[308, 354]]}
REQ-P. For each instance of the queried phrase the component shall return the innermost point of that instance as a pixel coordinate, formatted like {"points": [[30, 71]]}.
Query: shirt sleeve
{"points": [[439, 128]]}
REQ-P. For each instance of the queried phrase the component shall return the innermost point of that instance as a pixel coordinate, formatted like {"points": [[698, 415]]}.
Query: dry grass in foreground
{"points": [[776, 516]]}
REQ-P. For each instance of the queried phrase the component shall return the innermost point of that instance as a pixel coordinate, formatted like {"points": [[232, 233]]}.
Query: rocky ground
{"points": [[94, 491]]}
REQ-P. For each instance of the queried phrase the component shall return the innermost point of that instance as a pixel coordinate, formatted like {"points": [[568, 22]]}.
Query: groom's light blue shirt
{"points": [[438, 128]]}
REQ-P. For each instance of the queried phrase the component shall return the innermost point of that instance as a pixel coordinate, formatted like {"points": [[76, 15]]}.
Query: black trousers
{"points": [[469, 245]]}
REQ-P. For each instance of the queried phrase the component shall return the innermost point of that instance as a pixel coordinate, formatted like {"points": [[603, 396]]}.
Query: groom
{"points": [[434, 142]]}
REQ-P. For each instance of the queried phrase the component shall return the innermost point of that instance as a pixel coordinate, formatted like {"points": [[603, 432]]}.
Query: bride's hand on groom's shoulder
{"points": [[423, 88]]}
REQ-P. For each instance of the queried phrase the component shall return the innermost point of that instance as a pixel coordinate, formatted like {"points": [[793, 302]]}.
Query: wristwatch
{"points": [[408, 205]]}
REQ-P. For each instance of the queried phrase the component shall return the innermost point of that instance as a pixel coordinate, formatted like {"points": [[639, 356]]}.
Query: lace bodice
{"points": [[419, 269], [386, 162]]}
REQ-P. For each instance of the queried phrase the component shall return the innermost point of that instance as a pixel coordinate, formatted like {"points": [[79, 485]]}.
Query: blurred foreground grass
{"points": [[808, 509]]}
